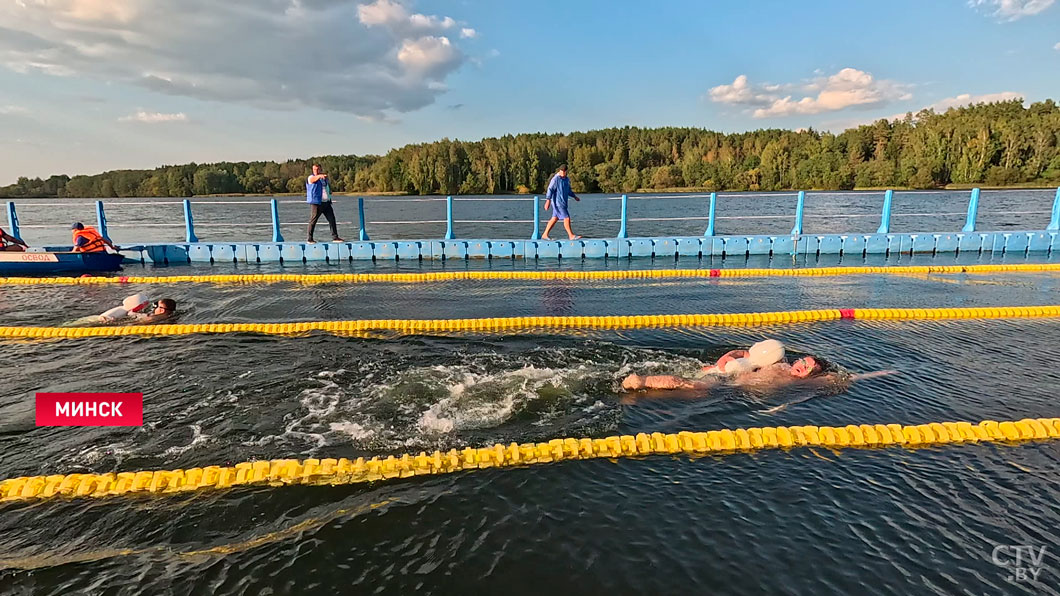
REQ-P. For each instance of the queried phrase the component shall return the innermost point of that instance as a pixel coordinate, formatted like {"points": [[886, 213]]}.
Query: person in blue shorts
{"points": [[558, 193], [318, 195]]}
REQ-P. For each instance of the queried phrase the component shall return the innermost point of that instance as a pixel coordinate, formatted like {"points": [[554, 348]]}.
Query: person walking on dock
{"points": [[318, 195], [558, 193]]}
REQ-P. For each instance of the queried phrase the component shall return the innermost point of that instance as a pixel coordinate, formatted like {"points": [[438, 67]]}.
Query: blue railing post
{"points": [[12, 220], [710, 214], [360, 213], [796, 230], [1054, 222], [885, 220], [537, 219], [622, 227], [101, 220], [276, 235], [189, 225], [449, 218], [973, 210]]}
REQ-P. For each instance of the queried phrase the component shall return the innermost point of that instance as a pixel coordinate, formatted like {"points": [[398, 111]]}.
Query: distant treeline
{"points": [[996, 144]]}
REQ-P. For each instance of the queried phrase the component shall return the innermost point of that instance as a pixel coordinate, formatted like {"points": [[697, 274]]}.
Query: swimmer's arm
{"points": [[872, 375], [636, 383], [672, 382], [725, 359]]}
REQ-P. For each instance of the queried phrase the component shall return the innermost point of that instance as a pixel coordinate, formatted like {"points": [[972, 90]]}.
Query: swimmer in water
{"points": [[140, 309], [762, 367], [773, 375], [762, 354]]}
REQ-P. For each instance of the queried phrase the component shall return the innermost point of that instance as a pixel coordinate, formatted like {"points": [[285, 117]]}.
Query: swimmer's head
{"points": [[765, 353], [136, 303], [165, 306], [806, 367]]}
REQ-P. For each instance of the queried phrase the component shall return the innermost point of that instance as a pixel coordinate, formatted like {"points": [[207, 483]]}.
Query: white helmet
{"points": [[135, 303], [766, 353]]}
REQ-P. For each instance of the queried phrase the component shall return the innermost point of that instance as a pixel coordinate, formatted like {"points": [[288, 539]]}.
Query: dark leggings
{"points": [[325, 209]]}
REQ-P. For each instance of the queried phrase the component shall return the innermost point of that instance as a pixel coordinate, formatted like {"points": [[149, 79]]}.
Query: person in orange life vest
{"points": [[9, 242], [87, 239]]}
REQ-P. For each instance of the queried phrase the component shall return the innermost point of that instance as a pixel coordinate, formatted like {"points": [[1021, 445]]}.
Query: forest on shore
{"points": [[996, 144]]}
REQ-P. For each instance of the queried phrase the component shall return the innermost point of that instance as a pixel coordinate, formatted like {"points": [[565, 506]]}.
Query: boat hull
{"points": [[44, 263]]}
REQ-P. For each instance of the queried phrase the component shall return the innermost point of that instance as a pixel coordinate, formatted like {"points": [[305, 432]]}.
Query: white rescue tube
{"points": [[764, 353], [136, 302], [737, 366], [114, 314]]}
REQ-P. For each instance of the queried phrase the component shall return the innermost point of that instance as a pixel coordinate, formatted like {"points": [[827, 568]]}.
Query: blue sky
{"points": [[91, 85]]}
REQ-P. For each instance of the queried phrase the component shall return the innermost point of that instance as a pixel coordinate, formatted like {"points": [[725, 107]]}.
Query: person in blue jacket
{"points": [[558, 193], [318, 195]]}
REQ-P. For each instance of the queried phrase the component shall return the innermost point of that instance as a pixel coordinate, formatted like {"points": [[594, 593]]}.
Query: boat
{"points": [[21, 263]]}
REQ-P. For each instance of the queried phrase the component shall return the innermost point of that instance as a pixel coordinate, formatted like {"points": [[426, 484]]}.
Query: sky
{"points": [[94, 85]]}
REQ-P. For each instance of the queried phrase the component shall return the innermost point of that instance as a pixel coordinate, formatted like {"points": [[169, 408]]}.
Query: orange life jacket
{"points": [[94, 242]]}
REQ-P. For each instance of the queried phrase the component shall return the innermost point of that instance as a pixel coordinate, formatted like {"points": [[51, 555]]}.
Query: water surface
{"points": [[804, 521]]}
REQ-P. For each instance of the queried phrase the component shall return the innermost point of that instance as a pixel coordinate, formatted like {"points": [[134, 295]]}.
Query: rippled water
{"points": [[803, 521]]}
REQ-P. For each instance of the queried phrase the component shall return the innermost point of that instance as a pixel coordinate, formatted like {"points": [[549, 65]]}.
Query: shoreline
{"points": [[688, 189]]}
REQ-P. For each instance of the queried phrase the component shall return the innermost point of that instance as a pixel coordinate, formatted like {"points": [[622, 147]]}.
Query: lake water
{"points": [[803, 521]]}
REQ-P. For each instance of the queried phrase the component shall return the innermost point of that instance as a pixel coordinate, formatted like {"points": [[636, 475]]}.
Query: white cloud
{"points": [[154, 117], [382, 12], [419, 21], [740, 92], [468, 33], [967, 99], [848, 87], [395, 16], [12, 109], [1057, 47], [96, 10], [427, 54], [1010, 10], [374, 59]]}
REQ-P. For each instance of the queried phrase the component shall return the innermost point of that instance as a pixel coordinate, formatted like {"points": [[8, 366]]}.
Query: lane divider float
{"points": [[451, 276], [280, 472], [501, 324]]}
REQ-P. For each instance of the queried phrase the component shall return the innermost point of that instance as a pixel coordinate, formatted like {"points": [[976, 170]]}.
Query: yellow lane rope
{"points": [[449, 276], [499, 324], [281, 472]]}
